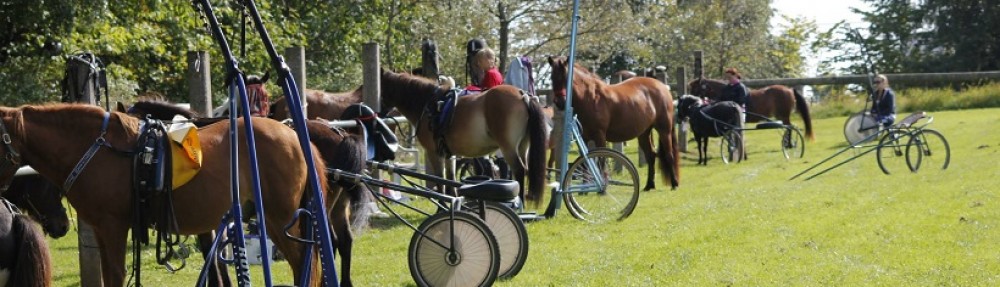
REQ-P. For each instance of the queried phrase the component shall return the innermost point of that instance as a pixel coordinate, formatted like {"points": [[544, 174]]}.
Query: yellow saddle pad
{"points": [[185, 150]]}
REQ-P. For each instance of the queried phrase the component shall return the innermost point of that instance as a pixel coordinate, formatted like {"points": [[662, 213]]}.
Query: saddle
{"points": [[441, 114], [380, 140]]}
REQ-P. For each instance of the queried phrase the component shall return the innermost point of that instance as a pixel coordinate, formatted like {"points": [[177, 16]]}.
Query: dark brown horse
{"points": [[624, 111], [54, 138], [338, 149], [42, 200], [24, 255], [501, 118], [771, 101], [319, 104]]}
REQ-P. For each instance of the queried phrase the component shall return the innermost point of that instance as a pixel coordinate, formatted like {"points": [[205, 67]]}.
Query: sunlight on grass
{"points": [[746, 224]]}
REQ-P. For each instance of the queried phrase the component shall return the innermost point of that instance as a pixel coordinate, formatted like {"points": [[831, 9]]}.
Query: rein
{"points": [[98, 143], [12, 160]]}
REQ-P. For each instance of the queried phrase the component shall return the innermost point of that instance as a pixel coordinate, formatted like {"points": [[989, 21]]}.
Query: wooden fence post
{"points": [[90, 251], [683, 125], [199, 78], [295, 57], [370, 71]]}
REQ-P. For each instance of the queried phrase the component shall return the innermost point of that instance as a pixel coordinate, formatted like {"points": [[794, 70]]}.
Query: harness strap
{"points": [[100, 141]]}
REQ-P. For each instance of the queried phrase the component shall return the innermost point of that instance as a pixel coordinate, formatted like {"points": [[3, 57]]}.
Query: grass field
{"points": [[746, 224]]}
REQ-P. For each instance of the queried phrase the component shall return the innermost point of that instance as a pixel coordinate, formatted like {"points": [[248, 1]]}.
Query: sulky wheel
{"points": [[467, 255], [601, 187]]}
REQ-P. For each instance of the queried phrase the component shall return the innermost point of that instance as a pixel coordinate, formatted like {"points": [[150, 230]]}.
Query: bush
{"points": [[915, 99]]}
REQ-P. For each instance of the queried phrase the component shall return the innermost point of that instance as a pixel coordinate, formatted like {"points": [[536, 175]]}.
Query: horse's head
{"points": [[685, 104], [10, 158], [43, 201], [429, 58], [705, 88], [560, 70]]}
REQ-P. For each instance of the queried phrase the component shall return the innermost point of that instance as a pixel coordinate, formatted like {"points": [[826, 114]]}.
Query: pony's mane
{"points": [[69, 114], [411, 91], [164, 107]]}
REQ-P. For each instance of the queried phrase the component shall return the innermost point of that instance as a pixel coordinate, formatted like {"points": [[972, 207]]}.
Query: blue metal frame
{"points": [[569, 118]]}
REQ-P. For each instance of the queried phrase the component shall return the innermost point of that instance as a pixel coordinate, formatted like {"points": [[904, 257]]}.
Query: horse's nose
{"points": [[57, 230]]}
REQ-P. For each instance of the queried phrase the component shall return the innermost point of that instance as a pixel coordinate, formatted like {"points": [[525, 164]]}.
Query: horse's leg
{"points": [[112, 241], [646, 145], [217, 273], [340, 218]]}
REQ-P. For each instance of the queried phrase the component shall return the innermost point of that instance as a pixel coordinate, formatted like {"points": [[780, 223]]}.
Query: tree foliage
{"points": [[921, 36]]}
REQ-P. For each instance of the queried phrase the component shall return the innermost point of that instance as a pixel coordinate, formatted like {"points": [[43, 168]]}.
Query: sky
{"points": [[825, 13]]}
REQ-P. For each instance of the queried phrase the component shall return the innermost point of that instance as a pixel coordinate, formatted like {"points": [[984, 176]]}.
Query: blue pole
{"points": [[236, 84], [321, 232], [568, 122]]}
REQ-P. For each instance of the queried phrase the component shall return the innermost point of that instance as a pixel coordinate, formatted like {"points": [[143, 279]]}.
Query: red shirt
{"points": [[491, 79]]}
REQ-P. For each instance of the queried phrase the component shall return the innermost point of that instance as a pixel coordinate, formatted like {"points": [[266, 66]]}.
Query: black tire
{"points": [[476, 261], [928, 148], [890, 151], [510, 233], [729, 149], [793, 144], [587, 200]]}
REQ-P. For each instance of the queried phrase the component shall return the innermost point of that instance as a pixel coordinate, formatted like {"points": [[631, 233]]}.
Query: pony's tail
{"points": [[536, 152], [33, 266], [350, 157], [803, 107]]}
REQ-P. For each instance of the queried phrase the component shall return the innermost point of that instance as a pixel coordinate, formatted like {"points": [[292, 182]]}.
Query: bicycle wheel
{"points": [[927, 148], [855, 133], [793, 145], [474, 166], [729, 147], [890, 151], [595, 191], [467, 255], [509, 230]]}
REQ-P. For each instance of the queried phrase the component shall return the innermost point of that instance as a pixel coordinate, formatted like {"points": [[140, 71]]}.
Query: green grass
{"points": [[746, 224]]}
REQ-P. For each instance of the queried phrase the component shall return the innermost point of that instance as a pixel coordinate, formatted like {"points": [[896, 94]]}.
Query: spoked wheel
{"points": [[467, 255], [729, 147], [929, 150], [891, 151], [793, 145], [510, 233], [475, 166], [601, 187], [859, 128]]}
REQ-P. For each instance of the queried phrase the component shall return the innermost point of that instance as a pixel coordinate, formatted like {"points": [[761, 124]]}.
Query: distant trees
{"points": [[922, 36]]}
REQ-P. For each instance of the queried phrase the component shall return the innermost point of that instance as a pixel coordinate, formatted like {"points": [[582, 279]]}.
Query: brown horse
{"points": [[42, 200], [319, 104], [338, 149], [774, 100], [501, 118], [24, 255], [621, 112], [54, 138]]}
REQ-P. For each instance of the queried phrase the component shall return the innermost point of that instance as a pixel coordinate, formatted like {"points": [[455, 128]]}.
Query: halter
{"points": [[98, 143], [12, 160]]}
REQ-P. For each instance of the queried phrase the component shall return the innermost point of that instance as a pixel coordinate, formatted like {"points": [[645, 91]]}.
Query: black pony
{"points": [[42, 200], [708, 120]]}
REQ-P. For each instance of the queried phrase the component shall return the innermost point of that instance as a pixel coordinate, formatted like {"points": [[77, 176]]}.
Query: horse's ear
{"points": [[121, 108], [267, 75]]}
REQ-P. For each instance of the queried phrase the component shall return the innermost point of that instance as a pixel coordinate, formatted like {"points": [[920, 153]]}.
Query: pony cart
{"points": [[901, 146], [722, 120]]}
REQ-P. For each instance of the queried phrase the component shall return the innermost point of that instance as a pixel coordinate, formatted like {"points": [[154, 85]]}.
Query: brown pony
{"points": [[24, 255], [54, 138], [773, 100], [319, 104], [621, 112], [338, 149], [500, 117], [42, 200]]}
